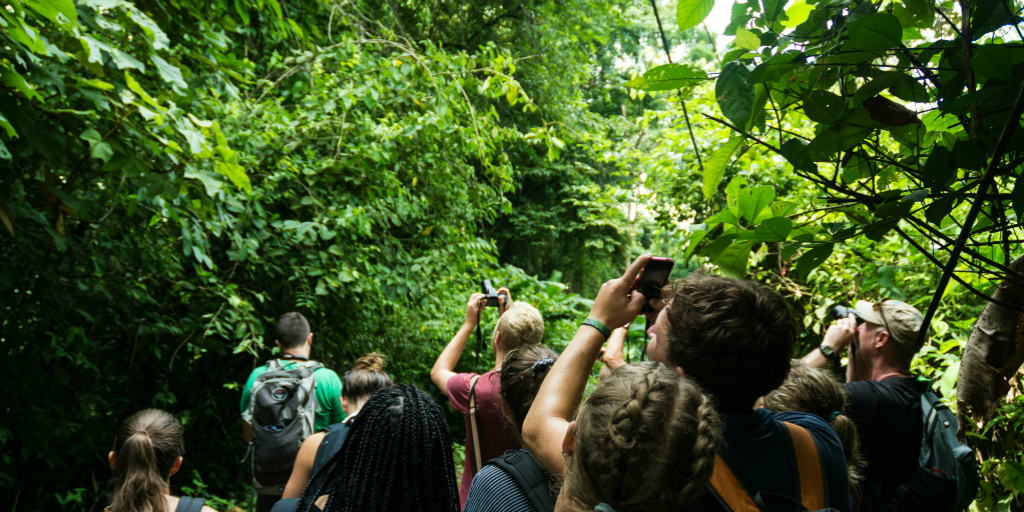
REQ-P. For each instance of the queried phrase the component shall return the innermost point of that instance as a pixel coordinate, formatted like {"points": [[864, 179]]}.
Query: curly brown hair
{"points": [[734, 337], [645, 440], [816, 391]]}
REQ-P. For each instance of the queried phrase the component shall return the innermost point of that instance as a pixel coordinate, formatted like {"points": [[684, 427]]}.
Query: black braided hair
{"points": [[398, 456]]}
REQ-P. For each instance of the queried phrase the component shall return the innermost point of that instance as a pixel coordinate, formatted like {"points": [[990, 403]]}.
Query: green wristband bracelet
{"points": [[599, 326]]}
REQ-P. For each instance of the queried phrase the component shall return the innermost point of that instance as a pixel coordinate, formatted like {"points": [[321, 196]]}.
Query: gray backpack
{"points": [[947, 475], [282, 411]]}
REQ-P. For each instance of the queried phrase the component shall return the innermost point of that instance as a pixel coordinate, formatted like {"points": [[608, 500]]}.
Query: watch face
{"points": [[827, 350]]}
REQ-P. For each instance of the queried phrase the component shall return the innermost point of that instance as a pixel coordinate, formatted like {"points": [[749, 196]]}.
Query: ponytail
{"points": [[847, 431], [145, 450]]}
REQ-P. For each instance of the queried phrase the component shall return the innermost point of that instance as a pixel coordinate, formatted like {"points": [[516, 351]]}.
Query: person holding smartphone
{"points": [[735, 338]]}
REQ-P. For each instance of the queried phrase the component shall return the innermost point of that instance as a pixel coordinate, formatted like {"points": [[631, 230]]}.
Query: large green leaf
{"points": [[1011, 475], [838, 138], [772, 9], [776, 67], [795, 151], [669, 77], [714, 167], [775, 229], [811, 259], [52, 8], [689, 13], [856, 169], [823, 107], [992, 61], [735, 94], [733, 260], [746, 39], [752, 201], [169, 72], [797, 12], [876, 32]]}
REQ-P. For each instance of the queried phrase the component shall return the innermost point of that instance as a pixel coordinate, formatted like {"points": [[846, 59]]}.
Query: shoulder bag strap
{"points": [[477, 456], [186, 504], [812, 484], [529, 476], [729, 490]]}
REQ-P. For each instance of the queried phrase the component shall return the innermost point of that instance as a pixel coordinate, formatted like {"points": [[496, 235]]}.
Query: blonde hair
{"points": [[816, 391], [520, 325], [645, 440]]}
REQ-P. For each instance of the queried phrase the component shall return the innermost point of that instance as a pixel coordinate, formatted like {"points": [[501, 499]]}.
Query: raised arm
{"points": [[838, 336], [444, 367], [560, 395]]}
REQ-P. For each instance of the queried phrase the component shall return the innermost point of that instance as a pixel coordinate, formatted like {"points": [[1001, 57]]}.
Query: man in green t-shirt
{"points": [[295, 341]]}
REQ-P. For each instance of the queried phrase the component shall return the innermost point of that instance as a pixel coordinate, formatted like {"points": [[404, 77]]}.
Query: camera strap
{"points": [[479, 340]]}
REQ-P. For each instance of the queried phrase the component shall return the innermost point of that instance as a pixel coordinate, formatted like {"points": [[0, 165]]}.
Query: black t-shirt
{"points": [[888, 418]]}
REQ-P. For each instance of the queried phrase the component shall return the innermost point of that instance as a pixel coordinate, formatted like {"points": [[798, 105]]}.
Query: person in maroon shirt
{"points": [[518, 324]]}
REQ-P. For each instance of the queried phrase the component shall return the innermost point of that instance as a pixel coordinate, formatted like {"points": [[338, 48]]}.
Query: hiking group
{"points": [[721, 417]]}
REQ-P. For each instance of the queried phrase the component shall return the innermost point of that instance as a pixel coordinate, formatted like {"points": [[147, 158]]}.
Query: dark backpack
{"points": [[947, 473], [325, 460], [529, 476], [282, 408]]}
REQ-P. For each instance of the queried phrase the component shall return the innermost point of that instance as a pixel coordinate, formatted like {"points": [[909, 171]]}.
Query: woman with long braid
{"points": [[645, 440], [147, 450], [358, 385], [397, 456]]}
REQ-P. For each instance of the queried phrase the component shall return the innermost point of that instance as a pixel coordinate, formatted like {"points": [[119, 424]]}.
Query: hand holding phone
{"points": [[653, 277]]}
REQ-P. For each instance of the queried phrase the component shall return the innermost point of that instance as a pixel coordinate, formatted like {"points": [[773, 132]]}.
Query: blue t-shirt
{"points": [[759, 452]]}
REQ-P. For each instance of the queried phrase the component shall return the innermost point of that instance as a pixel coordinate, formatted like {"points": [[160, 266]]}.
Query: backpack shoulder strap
{"points": [[729, 490], [812, 485], [274, 365], [186, 504], [529, 476], [330, 445], [477, 456]]}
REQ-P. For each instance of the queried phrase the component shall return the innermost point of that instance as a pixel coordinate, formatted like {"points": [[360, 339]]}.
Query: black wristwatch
{"points": [[827, 352]]}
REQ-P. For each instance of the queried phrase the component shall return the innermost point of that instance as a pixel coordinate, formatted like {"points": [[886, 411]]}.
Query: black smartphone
{"points": [[653, 277]]}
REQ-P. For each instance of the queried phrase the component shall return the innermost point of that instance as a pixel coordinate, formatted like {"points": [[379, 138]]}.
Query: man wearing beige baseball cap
{"points": [[883, 398]]}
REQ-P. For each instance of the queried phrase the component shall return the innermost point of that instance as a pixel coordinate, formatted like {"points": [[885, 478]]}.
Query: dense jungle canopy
{"points": [[176, 174]]}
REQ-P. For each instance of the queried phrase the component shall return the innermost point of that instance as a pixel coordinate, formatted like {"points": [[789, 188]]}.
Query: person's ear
{"points": [[177, 464], [882, 338], [344, 405], [569, 441], [680, 371], [112, 459], [309, 340], [278, 343], [496, 339]]}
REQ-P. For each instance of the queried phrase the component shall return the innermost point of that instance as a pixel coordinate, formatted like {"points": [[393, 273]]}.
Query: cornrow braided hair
{"points": [[398, 456], [645, 440], [816, 391]]}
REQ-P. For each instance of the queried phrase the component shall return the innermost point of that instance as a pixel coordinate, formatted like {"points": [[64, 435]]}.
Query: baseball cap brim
{"points": [[866, 310]]}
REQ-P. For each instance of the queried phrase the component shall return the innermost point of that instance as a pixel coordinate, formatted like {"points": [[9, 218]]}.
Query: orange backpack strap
{"points": [[729, 490], [812, 485]]}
